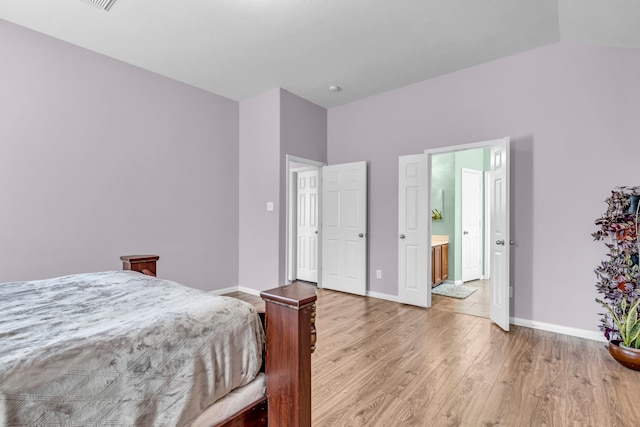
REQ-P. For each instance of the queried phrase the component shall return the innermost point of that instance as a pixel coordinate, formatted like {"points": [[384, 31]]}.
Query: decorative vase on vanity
{"points": [[619, 276]]}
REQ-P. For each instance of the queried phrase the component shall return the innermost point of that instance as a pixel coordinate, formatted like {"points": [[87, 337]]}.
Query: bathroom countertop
{"points": [[437, 240]]}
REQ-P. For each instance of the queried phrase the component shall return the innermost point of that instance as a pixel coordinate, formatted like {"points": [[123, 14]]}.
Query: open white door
{"points": [[307, 226], [500, 238], [414, 266], [344, 227]]}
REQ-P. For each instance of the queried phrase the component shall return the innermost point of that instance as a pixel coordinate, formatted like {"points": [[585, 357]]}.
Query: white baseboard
{"points": [[378, 295], [559, 329], [224, 291], [549, 327]]}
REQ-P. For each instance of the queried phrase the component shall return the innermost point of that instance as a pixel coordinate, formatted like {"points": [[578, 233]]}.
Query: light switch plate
{"points": [[269, 206]]}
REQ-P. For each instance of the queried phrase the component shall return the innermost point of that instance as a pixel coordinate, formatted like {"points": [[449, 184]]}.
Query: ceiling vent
{"points": [[102, 4]]}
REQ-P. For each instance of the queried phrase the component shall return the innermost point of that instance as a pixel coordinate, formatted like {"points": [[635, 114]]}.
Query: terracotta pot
{"points": [[629, 358]]}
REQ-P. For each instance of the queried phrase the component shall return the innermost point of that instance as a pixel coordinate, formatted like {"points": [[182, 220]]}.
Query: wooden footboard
{"points": [[289, 343], [290, 339]]}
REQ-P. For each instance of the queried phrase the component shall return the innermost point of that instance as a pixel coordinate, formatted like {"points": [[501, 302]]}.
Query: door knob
{"points": [[316, 231], [360, 235], [500, 242], [402, 236], [465, 232]]}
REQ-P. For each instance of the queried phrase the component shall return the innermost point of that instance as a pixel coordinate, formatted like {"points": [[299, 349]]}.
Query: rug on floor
{"points": [[454, 291]]}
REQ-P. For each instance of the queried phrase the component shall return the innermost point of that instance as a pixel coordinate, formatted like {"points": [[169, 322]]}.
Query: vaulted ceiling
{"points": [[241, 48]]}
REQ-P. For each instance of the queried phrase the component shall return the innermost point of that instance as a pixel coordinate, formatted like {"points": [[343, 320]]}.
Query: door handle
{"points": [[360, 235], [316, 231], [465, 232], [500, 242], [402, 236]]}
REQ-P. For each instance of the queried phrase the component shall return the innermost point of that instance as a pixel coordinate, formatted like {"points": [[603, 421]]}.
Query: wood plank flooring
{"points": [[380, 363], [476, 304]]}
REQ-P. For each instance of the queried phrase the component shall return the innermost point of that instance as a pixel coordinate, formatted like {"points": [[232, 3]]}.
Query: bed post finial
{"points": [[145, 264]]}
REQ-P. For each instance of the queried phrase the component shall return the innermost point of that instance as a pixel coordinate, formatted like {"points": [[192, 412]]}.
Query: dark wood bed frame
{"points": [[289, 321]]}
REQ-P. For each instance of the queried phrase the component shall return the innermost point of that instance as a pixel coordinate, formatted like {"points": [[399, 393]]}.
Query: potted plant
{"points": [[625, 350], [619, 275]]}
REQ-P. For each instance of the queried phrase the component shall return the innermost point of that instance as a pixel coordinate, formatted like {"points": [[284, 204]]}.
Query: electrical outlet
{"points": [[378, 274]]}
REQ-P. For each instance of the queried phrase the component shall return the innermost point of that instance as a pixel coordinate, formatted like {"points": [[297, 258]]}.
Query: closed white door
{"points": [[500, 236], [307, 226], [344, 227], [471, 218], [414, 265]]}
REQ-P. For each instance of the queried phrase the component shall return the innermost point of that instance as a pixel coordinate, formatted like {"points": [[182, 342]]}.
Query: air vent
{"points": [[102, 4]]}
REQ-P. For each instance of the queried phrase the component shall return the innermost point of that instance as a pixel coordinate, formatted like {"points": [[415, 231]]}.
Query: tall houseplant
{"points": [[618, 276]]}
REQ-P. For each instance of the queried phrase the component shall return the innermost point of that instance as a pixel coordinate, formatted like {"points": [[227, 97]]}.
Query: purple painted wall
{"points": [[272, 125], [99, 159], [303, 134], [572, 114], [259, 184]]}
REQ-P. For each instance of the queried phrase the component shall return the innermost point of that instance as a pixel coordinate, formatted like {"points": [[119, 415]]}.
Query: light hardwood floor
{"points": [[380, 363], [476, 304]]}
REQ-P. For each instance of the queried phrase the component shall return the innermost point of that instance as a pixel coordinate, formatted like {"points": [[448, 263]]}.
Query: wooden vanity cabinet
{"points": [[439, 264]]}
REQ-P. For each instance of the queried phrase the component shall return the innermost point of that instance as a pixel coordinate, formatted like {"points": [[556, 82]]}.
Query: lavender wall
{"points": [[272, 125], [303, 134], [259, 184], [99, 159], [571, 112]]}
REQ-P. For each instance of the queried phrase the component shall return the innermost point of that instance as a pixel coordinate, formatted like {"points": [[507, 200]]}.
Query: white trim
{"points": [[290, 258], [378, 295], [559, 329], [452, 149], [486, 273]]}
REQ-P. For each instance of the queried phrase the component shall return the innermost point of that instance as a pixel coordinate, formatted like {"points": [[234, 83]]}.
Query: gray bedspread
{"points": [[119, 349]]}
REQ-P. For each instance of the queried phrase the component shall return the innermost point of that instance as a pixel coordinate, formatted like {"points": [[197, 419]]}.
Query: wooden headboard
{"points": [[145, 264]]}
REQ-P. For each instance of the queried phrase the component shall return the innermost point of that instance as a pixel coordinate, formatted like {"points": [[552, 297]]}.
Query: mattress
{"points": [[120, 348], [232, 403]]}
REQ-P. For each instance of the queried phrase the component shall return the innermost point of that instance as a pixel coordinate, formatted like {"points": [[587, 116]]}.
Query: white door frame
{"points": [[293, 163], [429, 153], [486, 273]]}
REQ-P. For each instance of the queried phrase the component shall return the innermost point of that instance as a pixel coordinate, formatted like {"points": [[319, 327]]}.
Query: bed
{"points": [[126, 348]]}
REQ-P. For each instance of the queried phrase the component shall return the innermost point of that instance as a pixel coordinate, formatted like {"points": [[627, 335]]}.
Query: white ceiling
{"points": [[241, 48]]}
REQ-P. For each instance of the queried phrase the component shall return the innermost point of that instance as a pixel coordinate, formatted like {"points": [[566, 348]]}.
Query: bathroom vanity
{"points": [[439, 259]]}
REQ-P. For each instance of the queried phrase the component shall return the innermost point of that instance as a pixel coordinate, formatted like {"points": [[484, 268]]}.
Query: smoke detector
{"points": [[102, 4]]}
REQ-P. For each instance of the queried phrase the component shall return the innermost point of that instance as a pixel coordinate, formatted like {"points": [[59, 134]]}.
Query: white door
{"points": [[344, 227], [471, 216], [307, 226], [414, 265], [500, 238]]}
